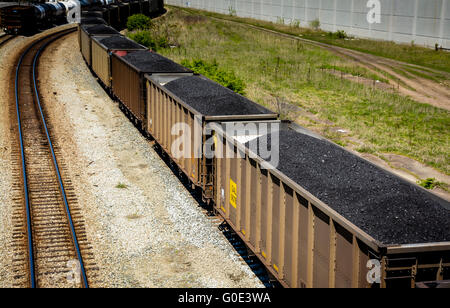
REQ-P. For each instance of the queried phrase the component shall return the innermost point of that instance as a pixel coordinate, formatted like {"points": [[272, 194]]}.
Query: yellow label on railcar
{"points": [[233, 193], [276, 268]]}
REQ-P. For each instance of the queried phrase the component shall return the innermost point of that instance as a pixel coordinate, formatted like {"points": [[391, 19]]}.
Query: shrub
{"points": [[429, 183], [340, 34], [315, 24], [231, 11], [149, 40], [138, 22], [280, 20], [295, 23], [144, 38], [211, 70]]}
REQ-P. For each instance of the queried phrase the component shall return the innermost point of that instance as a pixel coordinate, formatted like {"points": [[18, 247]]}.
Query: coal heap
{"points": [[150, 62], [390, 209], [96, 9], [211, 99], [118, 43], [92, 21], [92, 14], [100, 30]]}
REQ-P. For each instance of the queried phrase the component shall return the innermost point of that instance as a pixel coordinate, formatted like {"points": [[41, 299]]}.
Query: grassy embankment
{"points": [[278, 70], [408, 53]]}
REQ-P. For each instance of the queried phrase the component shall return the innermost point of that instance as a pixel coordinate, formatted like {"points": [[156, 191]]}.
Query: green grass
{"points": [[426, 75], [121, 186], [432, 183], [212, 70], [278, 68], [409, 53], [355, 71]]}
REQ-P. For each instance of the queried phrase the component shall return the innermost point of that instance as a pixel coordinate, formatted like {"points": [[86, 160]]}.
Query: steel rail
{"points": [[4, 38], [50, 144]]}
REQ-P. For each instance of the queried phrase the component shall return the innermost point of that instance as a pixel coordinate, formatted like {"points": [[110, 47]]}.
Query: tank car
{"points": [[17, 19]]}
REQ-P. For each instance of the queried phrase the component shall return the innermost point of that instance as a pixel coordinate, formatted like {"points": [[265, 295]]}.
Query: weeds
{"points": [[157, 36], [231, 11], [122, 186], [212, 70], [295, 23], [354, 70], [138, 22], [315, 24], [430, 183], [340, 34], [403, 52]]}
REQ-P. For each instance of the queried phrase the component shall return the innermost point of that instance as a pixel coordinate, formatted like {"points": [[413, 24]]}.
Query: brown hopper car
{"points": [[128, 81], [86, 32], [182, 99], [319, 217], [102, 48]]}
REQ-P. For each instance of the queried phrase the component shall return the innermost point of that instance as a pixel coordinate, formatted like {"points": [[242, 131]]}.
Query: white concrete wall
{"points": [[426, 22]]}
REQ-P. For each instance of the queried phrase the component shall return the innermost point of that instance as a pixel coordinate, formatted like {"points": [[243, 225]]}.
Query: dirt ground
{"points": [[419, 89], [6, 195]]}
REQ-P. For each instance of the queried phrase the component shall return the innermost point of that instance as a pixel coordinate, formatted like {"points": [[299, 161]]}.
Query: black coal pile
{"points": [[150, 62], [92, 21], [92, 14], [388, 208], [100, 30], [211, 99], [119, 43]]}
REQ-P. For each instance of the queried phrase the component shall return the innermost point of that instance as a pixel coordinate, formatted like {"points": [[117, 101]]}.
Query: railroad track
{"points": [[48, 235], [4, 38]]}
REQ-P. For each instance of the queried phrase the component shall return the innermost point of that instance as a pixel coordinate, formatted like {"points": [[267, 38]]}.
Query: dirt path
{"points": [[420, 89]]}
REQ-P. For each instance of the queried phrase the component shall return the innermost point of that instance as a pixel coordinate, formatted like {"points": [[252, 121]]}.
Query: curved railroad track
{"points": [[49, 242], [4, 38]]}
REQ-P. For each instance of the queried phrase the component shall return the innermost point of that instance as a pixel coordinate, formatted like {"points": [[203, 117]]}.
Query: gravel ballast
{"points": [[390, 209], [7, 53], [150, 62], [148, 231], [212, 99]]}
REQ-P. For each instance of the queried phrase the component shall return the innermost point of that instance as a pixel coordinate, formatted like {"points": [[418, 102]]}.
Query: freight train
{"points": [[317, 215], [27, 19]]}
